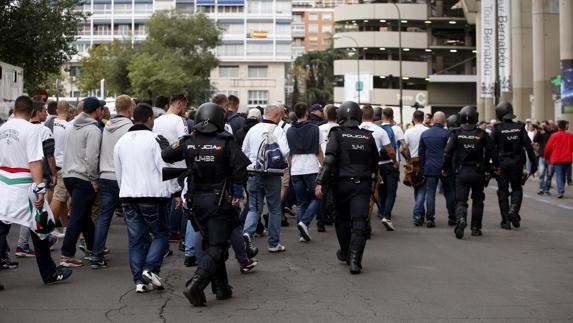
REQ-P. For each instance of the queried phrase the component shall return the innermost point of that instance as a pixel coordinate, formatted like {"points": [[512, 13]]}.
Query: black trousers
{"points": [[215, 225], [351, 222], [510, 175], [41, 247], [326, 209], [470, 178]]}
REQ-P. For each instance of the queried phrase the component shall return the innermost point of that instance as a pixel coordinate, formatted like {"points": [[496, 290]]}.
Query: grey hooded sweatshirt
{"points": [[81, 157], [114, 129]]}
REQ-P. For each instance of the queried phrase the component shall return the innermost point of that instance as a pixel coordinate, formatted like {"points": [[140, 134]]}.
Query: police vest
{"points": [[355, 152], [470, 146], [209, 158], [508, 138]]}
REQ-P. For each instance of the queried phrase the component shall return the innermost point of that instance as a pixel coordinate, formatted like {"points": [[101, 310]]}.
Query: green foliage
{"points": [[37, 35], [176, 57], [110, 62], [314, 75]]}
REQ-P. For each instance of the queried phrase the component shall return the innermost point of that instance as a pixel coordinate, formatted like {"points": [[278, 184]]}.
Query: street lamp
{"points": [[400, 59], [338, 36]]}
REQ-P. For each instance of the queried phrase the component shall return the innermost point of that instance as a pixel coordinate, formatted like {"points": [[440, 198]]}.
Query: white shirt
{"points": [[398, 133], [412, 138], [285, 125], [59, 135], [254, 139], [380, 136], [135, 154], [172, 127], [304, 164], [324, 132], [20, 144]]}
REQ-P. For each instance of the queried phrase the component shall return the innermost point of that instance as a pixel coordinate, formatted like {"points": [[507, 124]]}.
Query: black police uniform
{"points": [[351, 159], [471, 149], [511, 143], [218, 168]]}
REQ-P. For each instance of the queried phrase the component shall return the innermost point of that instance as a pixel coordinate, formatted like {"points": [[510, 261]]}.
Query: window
{"points": [[258, 97], [185, 7], [206, 9], [102, 8], [326, 29], [313, 16], [283, 30], [143, 8], [123, 30], [140, 29], [230, 50], [233, 29], [258, 71], [327, 16], [284, 7], [313, 28], [260, 6], [252, 27], [284, 50], [102, 30], [229, 92], [75, 70], [228, 71], [84, 30], [15, 76], [260, 49], [230, 9], [122, 8]]}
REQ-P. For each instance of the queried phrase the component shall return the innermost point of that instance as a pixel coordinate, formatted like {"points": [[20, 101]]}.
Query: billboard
{"points": [[504, 45], [488, 45], [567, 86], [357, 88]]}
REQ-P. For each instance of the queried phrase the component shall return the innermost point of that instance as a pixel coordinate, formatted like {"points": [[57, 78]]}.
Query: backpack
{"points": [[270, 155], [390, 133]]}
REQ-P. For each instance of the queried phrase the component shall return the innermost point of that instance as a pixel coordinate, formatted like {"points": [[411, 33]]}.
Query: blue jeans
{"points": [[109, 201], [431, 185], [306, 202], [419, 198], [175, 216], [561, 176], [546, 172], [190, 240], [143, 220], [83, 198], [387, 191], [259, 187]]}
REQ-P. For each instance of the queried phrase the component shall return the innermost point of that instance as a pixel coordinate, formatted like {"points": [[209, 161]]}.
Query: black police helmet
{"points": [[469, 115], [454, 121], [504, 110], [349, 114], [210, 118]]}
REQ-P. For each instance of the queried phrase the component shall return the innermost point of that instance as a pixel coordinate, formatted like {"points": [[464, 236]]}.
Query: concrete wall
{"points": [[381, 11], [378, 68], [381, 39]]}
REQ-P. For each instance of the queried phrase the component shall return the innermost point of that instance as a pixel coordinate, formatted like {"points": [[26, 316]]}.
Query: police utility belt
{"points": [[354, 180]]}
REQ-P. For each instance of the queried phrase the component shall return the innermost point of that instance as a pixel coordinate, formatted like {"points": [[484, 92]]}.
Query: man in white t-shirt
{"points": [[261, 185], [172, 126], [305, 158], [387, 153], [326, 208], [412, 138], [21, 179], [59, 200]]}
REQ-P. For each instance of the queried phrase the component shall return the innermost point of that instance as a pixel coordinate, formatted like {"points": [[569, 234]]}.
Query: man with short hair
{"points": [[109, 189], [558, 151], [316, 114], [52, 108], [431, 152], [412, 138], [305, 158], [59, 203], [144, 197], [81, 174], [545, 170], [21, 187], [234, 119], [260, 186], [326, 208], [161, 104]]}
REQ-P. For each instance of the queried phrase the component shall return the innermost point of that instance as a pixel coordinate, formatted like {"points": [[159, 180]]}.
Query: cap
{"points": [[254, 114], [91, 104], [316, 107]]}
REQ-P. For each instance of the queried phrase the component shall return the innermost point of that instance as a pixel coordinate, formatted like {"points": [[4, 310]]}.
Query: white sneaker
{"points": [[278, 248], [301, 239], [387, 224], [58, 234], [303, 229], [143, 288], [153, 279]]}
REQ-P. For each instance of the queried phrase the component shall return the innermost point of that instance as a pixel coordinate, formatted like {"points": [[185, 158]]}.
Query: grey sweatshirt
{"points": [[81, 157], [114, 129]]}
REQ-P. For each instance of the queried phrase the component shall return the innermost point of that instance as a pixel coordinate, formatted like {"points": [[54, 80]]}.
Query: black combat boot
{"points": [[505, 222], [355, 260], [194, 290], [460, 226], [476, 232], [513, 217], [220, 284], [342, 256]]}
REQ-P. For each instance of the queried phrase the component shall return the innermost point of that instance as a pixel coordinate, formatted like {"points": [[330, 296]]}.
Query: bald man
{"points": [[431, 152]]}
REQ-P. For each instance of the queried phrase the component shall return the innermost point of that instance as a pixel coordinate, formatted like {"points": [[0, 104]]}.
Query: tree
{"points": [[110, 62], [37, 35], [314, 76], [176, 56]]}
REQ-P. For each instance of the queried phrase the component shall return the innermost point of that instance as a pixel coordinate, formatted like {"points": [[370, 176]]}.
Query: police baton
{"points": [[269, 171]]}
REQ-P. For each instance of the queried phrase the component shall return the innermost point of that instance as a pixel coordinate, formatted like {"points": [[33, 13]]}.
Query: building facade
{"points": [[438, 49], [254, 53]]}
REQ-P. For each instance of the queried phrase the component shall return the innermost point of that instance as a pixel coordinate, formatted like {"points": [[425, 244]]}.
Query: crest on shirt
{"points": [[176, 144]]}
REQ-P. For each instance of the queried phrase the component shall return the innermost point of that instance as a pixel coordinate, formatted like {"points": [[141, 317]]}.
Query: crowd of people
{"points": [[200, 178]]}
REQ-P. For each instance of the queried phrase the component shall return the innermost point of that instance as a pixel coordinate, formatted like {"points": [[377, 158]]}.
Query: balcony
{"points": [[381, 68], [377, 11], [372, 39]]}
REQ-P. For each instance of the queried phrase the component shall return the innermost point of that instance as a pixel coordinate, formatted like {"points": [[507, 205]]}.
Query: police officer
{"points": [[511, 143], [350, 163], [454, 122], [218, 172], [469, 151]]}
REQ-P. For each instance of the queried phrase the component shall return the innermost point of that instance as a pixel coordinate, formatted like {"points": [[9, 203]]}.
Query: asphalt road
{"points": [[412, 274]]}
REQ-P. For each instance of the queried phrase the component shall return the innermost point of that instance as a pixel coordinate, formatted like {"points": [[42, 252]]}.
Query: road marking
{"points": [[542, 200]]}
